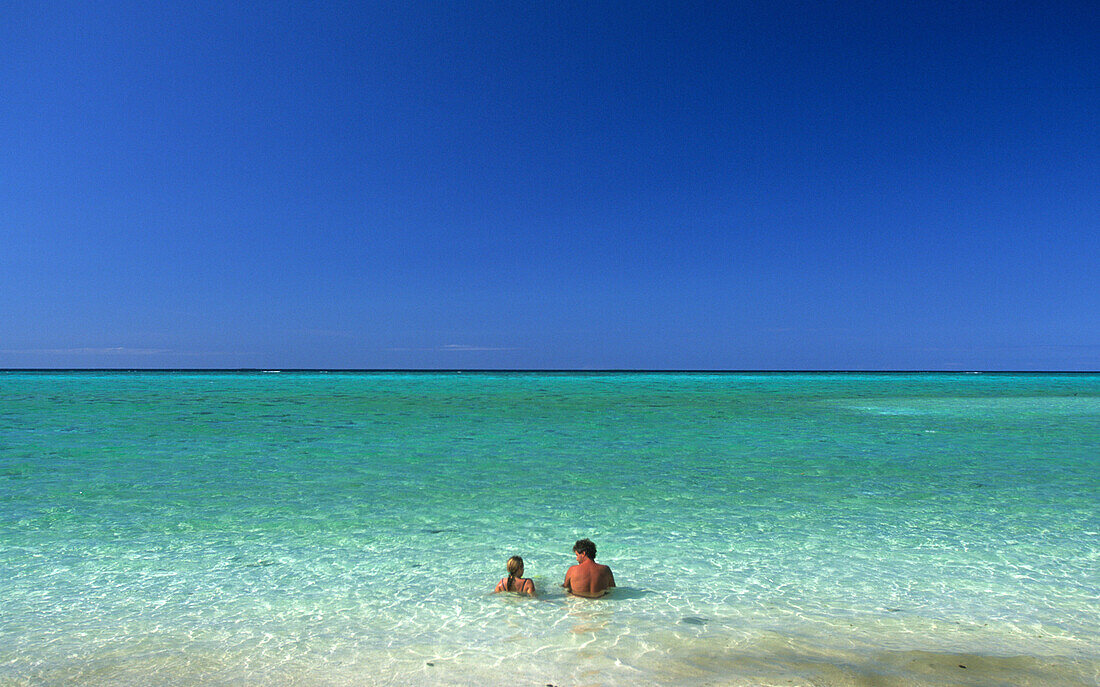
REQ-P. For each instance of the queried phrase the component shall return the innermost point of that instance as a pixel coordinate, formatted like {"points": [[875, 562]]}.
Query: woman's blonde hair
{"points": [[515, 566]]}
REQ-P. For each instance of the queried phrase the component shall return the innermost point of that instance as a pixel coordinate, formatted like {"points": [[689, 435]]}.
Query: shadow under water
{"points": [[784, 661]]}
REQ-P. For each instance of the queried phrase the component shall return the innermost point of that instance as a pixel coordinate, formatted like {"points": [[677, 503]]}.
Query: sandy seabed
{"points": [[774, 661]]}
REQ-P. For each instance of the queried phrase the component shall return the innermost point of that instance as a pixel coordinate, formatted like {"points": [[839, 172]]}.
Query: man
{"points": [[588, 578]]}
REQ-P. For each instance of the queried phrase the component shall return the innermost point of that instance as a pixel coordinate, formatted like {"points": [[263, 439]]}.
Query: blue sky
{"points": [[576, 185]]}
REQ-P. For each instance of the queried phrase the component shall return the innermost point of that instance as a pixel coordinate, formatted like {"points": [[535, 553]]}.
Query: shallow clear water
{"points": [[317, 528]]}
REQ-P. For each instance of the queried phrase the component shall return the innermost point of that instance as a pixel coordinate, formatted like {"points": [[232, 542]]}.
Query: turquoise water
{"points": [[347, 528]]}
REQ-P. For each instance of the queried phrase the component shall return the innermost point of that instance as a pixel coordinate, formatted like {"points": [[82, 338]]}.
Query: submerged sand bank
{"points": [[703, 665], [794, 665]]}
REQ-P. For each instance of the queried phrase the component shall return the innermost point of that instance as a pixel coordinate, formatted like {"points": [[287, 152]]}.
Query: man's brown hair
{"points": [[585, 546]]}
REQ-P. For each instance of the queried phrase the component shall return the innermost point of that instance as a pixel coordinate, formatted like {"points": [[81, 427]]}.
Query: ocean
{"points": [[340, 528]]}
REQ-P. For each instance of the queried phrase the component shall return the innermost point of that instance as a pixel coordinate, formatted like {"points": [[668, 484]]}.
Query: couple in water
{"points": [[586, 578]]}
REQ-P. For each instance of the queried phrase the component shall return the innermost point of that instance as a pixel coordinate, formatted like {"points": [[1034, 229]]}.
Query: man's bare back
{"points": [[588, 578]]}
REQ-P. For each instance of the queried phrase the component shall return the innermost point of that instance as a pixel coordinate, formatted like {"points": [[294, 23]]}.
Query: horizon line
{"points": [[273, 370]]}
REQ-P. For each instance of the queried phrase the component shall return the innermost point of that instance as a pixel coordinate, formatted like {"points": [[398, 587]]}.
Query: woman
{"points": [[515, 582]]}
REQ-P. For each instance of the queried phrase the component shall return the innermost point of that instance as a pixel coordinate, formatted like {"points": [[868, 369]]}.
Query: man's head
{"points": [[585, 546]]}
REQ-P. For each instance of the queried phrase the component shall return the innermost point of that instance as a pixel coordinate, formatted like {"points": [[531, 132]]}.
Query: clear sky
{"points": [[550, 185]]}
